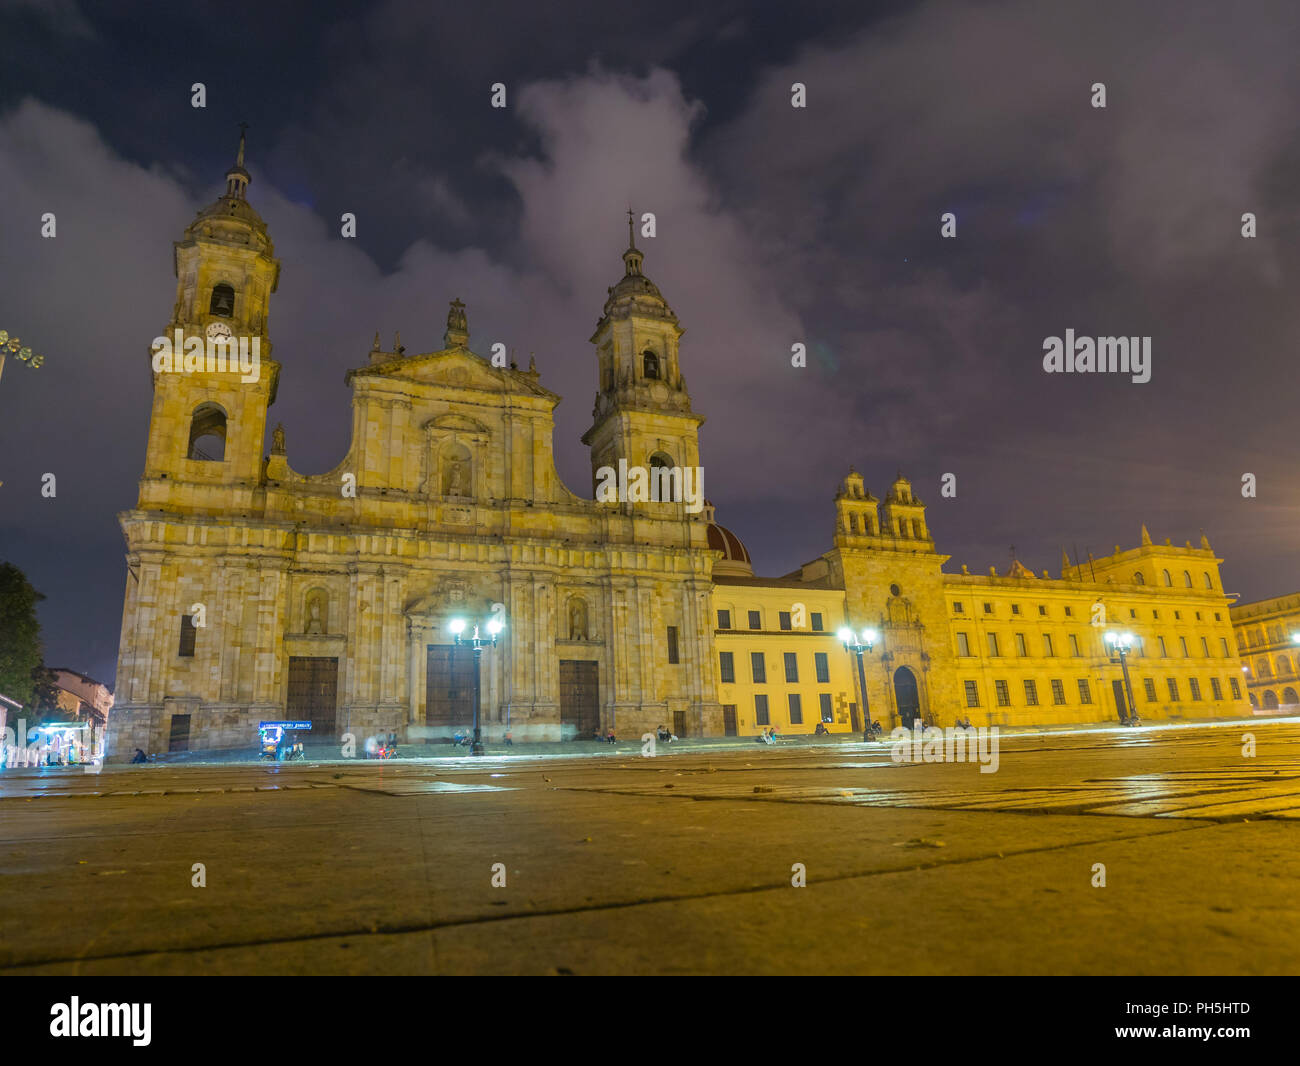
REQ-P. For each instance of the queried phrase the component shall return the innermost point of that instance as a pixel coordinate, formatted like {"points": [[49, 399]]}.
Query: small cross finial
{"points": [[631, 238], [239, 161]]}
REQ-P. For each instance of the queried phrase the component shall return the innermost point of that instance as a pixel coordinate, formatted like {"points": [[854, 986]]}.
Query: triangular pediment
{"points": [[455, 368]]}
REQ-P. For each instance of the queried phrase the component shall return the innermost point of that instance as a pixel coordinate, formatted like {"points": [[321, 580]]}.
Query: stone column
{"points": [[271, 607], [420, 635], [390, 688]]}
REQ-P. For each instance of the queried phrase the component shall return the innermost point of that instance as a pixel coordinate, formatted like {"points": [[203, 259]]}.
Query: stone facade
{"points": [[244, 575], [1011, 649], [256, 592], [1270, 656]]}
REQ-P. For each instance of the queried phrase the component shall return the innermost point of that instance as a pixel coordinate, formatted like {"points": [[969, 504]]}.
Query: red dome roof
{"points": [[735, 560], [723, 540]]}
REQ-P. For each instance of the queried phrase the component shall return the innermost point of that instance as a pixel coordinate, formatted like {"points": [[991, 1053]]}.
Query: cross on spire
{"points": [[632, 257], [237, 178]]}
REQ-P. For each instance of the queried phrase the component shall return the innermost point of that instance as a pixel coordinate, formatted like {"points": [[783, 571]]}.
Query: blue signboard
{"points": [[288, 727]]}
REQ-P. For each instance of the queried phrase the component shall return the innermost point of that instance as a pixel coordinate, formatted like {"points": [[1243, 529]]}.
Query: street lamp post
{"points": [[859, 643], [494, 626], [1122, 643]]}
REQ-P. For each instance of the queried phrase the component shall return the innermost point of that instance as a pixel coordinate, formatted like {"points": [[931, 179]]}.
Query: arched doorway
{"points": [[1270, 700], [906, 697]]}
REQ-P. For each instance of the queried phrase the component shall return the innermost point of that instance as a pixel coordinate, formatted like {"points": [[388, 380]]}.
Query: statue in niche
{"points": [[317, 612], [578, 619], [457, 478], [277, 440]]}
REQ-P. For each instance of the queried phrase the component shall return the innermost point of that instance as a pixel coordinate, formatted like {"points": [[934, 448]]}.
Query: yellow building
{"points": [[255, 591], [1270, 657], [1010, 649]]}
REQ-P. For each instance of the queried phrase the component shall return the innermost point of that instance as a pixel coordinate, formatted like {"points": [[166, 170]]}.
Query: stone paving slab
{"points": [[610, 872], [1034, 913]]}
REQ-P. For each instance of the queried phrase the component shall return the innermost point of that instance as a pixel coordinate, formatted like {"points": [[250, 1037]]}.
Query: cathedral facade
{"points": [[257, 593]]}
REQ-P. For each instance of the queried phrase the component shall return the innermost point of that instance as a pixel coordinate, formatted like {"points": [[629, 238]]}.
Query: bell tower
{"points": [[642, 412], [904, 517], [213, 376]]}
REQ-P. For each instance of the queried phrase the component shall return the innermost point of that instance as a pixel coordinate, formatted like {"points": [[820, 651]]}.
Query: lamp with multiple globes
{"points": [[858, 643], [24, 354], [494, 626]]}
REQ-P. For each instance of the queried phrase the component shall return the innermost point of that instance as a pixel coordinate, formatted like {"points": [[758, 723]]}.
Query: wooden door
{"points": [[1121, 704], [179, 740], [313, 694], [579, 699], [449, 690]]}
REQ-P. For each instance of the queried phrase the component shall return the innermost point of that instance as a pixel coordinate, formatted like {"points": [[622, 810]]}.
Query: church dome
{"points": [[231, 217], [735, 561], [634, 292]]}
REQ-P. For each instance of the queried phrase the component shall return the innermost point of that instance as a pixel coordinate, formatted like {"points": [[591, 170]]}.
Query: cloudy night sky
{"points": [[776, 225]]}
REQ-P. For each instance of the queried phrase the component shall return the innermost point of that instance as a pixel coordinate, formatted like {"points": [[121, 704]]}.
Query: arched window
{"points": [[207, 434], [1209, 581], [1187, 579], [1289, 696], [1168, 580], [1270, 700], [1283, 665], [223, 301], [650, 364], [1138, 579], [1253, 702], [1262, 668], [853, 523], [666, 483], [916, 529]]}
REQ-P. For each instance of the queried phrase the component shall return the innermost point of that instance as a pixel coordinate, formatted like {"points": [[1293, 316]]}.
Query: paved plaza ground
{"points": [[678, 864]]}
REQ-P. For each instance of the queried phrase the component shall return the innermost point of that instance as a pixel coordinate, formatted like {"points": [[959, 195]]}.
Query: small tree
{"points": [[45, 698], [20, 636]]}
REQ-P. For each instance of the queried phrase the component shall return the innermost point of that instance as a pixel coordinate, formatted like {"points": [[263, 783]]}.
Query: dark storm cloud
{"points": [[775, 225], [1123, 220]]}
